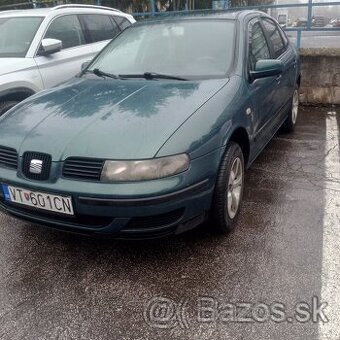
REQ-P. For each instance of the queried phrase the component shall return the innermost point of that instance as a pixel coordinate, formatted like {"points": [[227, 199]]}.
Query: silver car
{"points": [[40, 48]]}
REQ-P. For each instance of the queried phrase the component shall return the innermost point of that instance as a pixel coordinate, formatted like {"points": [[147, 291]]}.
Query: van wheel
{"points": [[229, 189], [5, 106], [289, 124]]}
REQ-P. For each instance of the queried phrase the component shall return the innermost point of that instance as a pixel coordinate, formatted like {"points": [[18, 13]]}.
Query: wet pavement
{"points": [[282, 259]]}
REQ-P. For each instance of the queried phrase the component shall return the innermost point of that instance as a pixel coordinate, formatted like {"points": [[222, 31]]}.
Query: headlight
{"points": [[127, 171]]}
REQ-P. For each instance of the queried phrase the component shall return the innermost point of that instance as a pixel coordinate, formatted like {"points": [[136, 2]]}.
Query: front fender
{"points": [[212, 125], [14, 92], [29, 80]]}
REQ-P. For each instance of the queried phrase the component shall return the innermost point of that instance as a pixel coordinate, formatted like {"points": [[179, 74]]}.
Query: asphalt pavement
{"points": [[275, 277]]}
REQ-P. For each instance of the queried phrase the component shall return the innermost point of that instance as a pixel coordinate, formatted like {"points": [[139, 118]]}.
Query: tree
{"points": [[241, 3]]}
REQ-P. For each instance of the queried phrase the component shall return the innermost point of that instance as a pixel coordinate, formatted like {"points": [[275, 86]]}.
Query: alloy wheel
{"points": [[234, 187]]}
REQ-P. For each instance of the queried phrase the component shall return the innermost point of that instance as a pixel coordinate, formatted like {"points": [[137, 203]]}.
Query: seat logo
{"points": [[36, 166]]}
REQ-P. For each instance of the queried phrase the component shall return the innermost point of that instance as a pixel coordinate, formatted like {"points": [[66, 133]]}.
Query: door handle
{"points": [[278, 78]]}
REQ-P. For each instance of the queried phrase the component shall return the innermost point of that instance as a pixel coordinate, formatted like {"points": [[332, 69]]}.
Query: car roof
{"points": [[43, 12], [229, 14]]}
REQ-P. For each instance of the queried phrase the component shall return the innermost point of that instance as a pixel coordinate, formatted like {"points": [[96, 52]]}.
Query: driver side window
{"points": [[258, 47], [68, 30]]}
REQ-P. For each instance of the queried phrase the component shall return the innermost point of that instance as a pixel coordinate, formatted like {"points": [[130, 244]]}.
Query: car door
{"points": [[262, 90], [100, 30], [65, 64], [281, 50]]}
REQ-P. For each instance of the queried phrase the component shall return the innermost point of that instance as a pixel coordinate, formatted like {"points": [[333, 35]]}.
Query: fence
{"points": [[143, 9]]}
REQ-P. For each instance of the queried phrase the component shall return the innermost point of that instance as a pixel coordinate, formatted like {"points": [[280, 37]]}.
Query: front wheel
{"points": [[289, 124], [229, 189]]}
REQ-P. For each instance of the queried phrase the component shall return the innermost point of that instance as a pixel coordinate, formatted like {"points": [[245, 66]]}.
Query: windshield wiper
{"points": [[100, 73], [151, 75]]}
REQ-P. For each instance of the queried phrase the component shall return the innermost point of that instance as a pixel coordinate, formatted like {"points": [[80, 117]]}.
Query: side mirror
{"points": [[267, 68], [50, 46], [85, 64]]}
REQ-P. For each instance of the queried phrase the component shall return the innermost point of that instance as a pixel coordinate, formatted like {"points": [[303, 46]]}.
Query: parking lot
{"points": [[284, 250]]}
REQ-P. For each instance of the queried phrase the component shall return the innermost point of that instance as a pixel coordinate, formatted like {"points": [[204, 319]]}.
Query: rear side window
{"points": [[274, 36], [258, 47], [100, 27], [122, 22], [68, 30]]}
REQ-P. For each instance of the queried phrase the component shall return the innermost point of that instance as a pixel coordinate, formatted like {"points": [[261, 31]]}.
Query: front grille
{"points": [[155, 221], [83, 168], [44, 173], [8, 157]]}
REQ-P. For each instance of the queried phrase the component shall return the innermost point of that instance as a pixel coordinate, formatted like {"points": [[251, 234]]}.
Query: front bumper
{"points": [[146, 210]]}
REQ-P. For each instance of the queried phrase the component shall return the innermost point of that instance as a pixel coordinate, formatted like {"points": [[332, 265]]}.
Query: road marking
{"points": [[330, 291]]}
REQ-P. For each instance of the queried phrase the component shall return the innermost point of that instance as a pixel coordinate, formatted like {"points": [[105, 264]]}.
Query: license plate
{"points": [[39, 200]]}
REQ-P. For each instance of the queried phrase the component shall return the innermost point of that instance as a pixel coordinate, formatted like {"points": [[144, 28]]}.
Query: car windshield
{"points": [[187, 48], [16, 35]]}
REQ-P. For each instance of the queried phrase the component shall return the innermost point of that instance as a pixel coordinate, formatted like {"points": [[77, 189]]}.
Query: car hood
{"points": [[114, 119], [9, 65]]}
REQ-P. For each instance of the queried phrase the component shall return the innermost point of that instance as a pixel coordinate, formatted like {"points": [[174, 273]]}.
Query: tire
{"points": [[228, 190], [5, 106], [289, 124]]}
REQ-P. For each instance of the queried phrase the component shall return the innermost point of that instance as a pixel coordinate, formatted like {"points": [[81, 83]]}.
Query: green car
{"points": [[154, 136]]}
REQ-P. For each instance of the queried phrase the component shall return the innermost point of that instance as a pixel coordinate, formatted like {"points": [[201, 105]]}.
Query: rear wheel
{"points": [[289, 124], [5, 106], [229, 189]]}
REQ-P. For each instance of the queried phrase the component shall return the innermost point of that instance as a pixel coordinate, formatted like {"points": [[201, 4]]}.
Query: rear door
{"points": [[281, 50], [66, 63]]}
